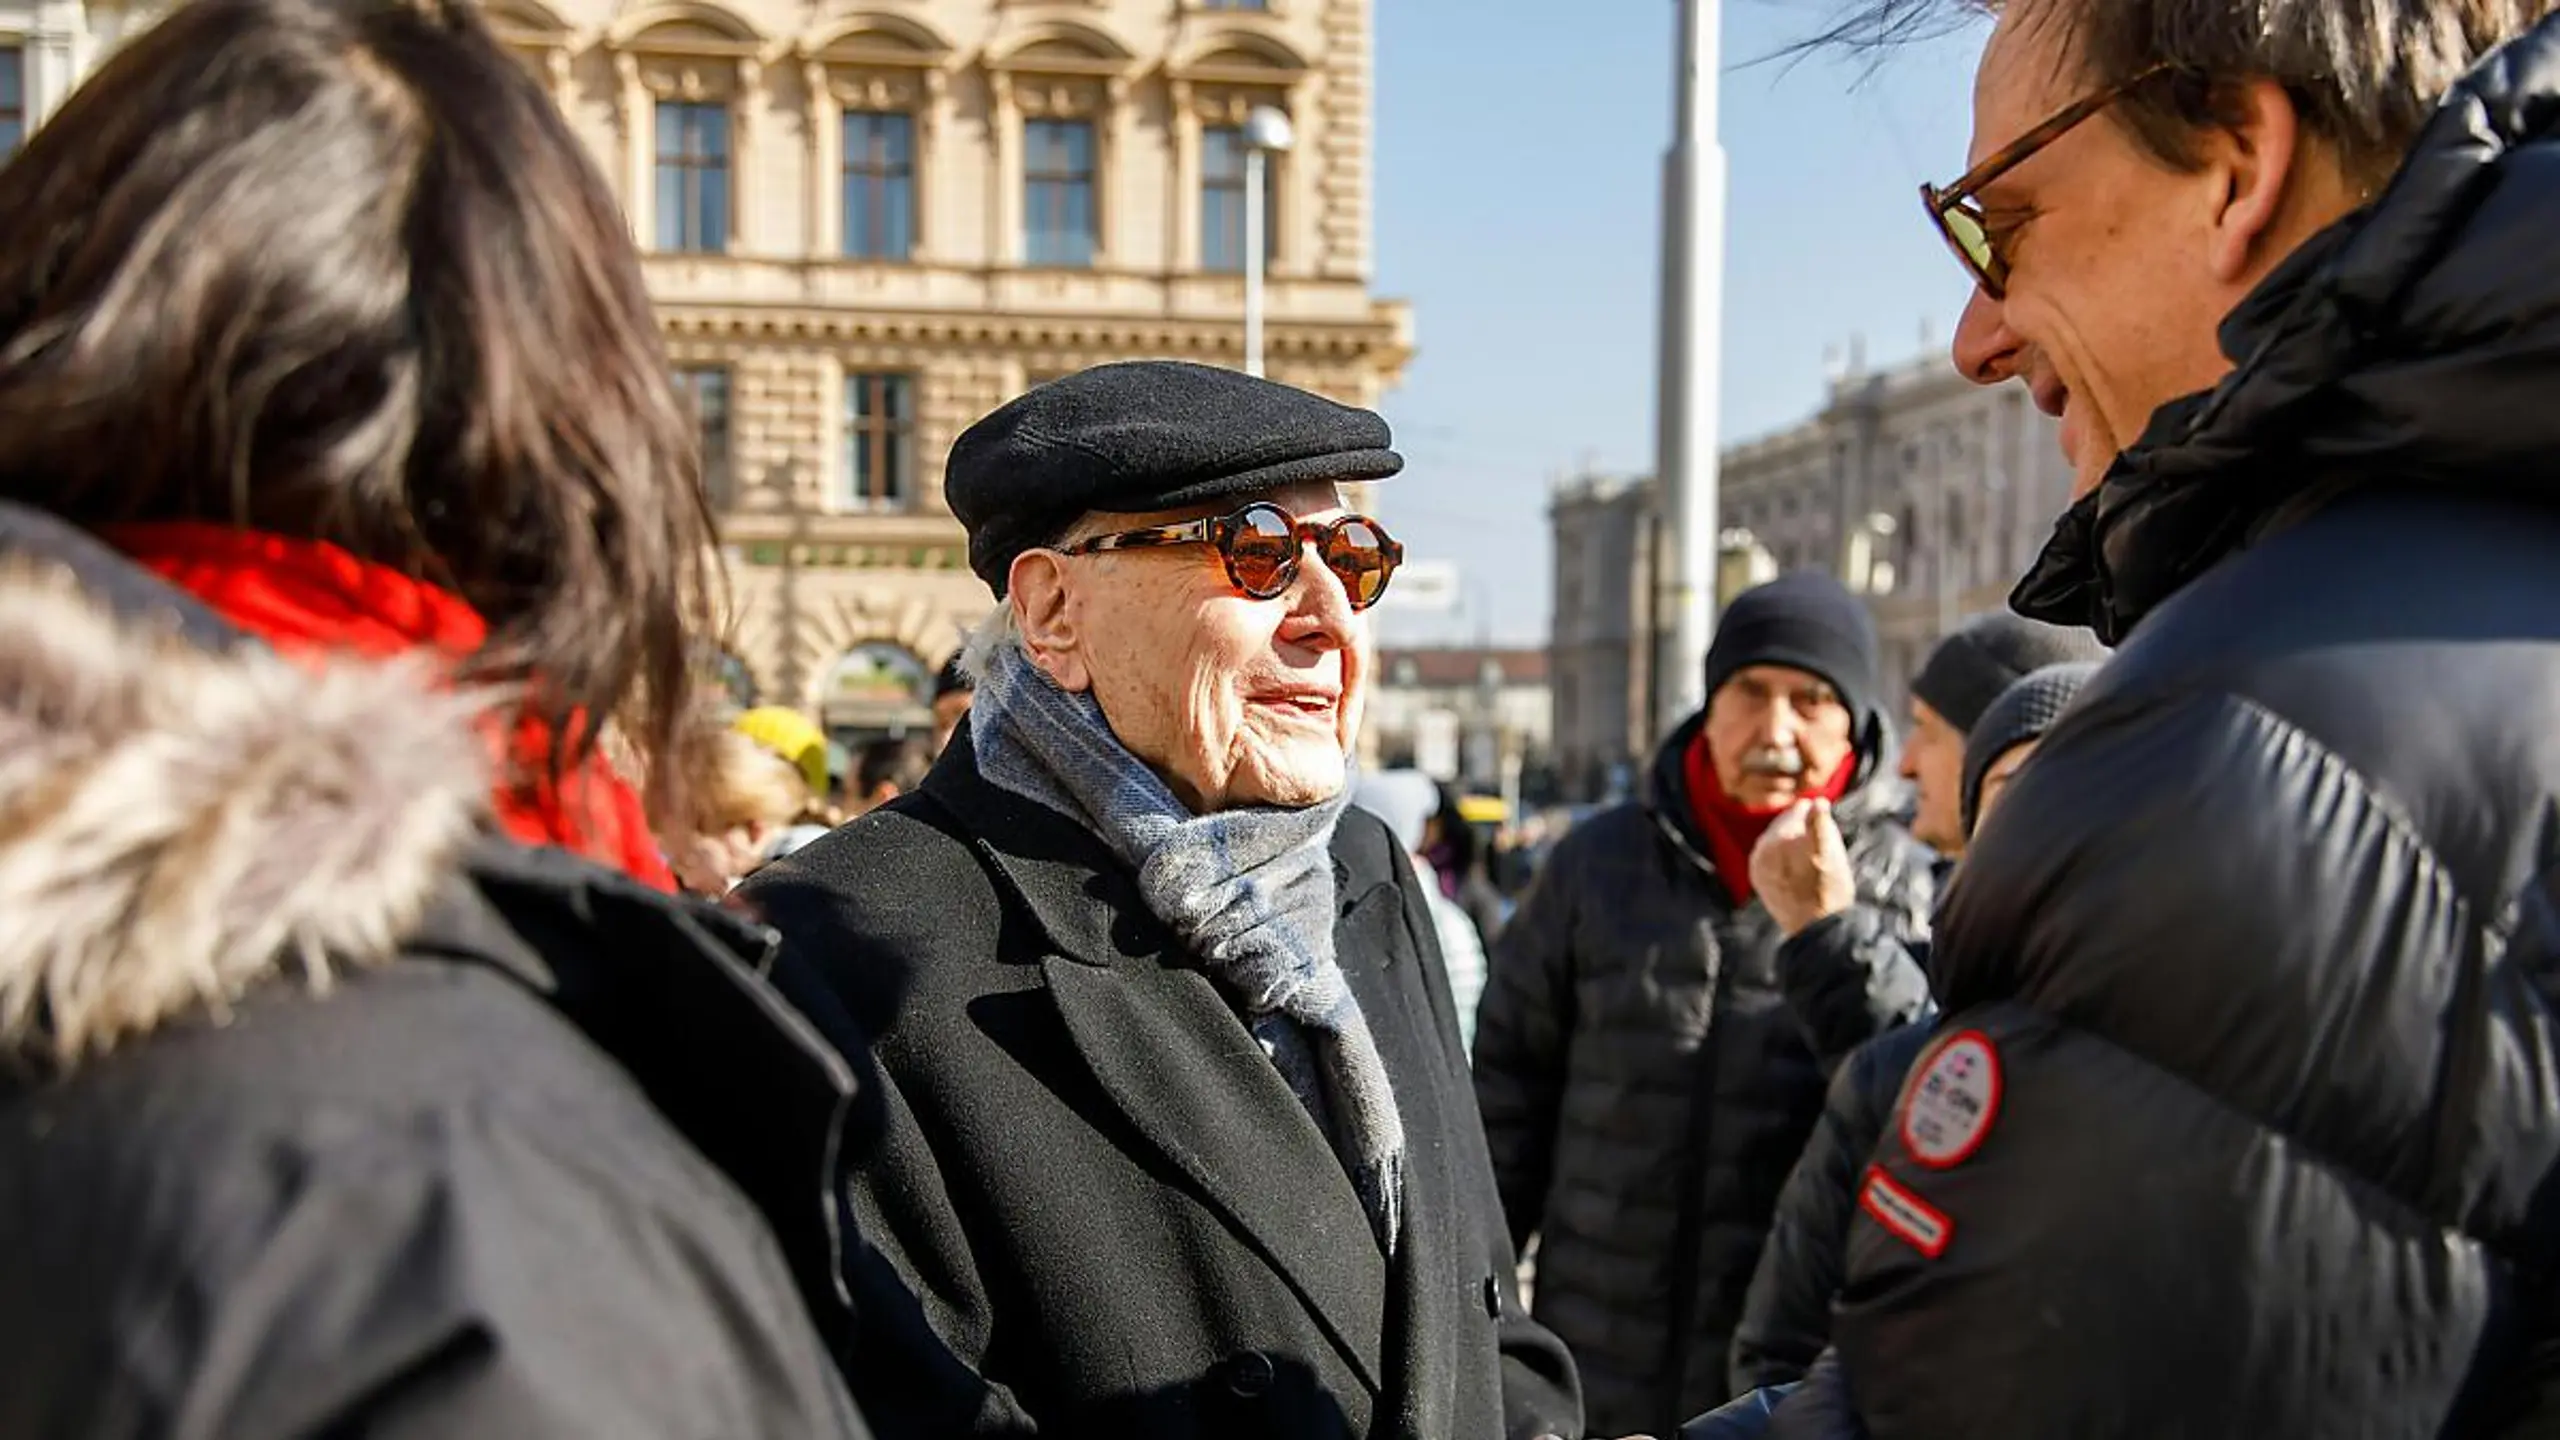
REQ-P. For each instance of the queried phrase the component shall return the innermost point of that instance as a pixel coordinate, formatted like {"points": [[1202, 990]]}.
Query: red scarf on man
{"points": [[309, 598], [1732, 827]]}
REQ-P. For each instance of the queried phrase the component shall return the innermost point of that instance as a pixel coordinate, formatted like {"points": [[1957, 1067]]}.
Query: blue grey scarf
{"points": [[1249, 892]]}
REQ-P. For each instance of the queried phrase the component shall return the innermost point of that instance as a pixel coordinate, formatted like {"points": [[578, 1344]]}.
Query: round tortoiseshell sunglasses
{"points": [[1958, 215], [1261, 544]]}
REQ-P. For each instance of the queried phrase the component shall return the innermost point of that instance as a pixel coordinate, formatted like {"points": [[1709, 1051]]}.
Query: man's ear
{"points": [[1043, 610], [2252, 160]]}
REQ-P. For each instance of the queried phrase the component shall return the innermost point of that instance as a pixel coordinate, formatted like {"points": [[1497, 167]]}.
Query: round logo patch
{"points": [[1952, 1101]]}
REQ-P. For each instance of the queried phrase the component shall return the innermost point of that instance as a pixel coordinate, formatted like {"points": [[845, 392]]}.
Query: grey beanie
{"points": [[1986, 655], [2023, 712]]}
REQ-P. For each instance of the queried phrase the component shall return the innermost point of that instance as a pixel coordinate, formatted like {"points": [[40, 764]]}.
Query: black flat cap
{"points": [[1140, 436]]}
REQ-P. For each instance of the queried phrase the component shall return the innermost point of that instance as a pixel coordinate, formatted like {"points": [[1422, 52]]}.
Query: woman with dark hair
{"points": [[364, 1075]]}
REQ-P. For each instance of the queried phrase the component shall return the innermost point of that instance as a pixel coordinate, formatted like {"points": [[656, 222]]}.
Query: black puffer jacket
{"points": [[1647, 1079], [2263, 949], [1786, 1316]]}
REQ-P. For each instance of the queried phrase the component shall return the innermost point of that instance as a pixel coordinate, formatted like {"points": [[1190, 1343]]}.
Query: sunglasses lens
{"points": [[1357, 552], [1973, 244], [1264, 555]]}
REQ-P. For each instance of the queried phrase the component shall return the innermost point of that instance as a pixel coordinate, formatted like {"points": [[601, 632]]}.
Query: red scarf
{"points": [[308, 598], [1732, 827]]}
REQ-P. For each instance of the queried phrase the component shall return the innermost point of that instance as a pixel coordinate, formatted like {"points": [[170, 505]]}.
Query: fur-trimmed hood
{"points": [[179, 823]]}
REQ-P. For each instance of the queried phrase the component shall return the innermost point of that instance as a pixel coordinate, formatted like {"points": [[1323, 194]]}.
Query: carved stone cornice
{"points": [[1370, 343], [1042, 96], [1230, 104]]}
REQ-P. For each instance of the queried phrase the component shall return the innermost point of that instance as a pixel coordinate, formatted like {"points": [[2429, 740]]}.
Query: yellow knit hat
{"points": [[791, 735]]}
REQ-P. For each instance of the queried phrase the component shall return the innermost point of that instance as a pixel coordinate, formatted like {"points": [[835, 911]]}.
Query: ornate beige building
{"points": [[868, 222]]}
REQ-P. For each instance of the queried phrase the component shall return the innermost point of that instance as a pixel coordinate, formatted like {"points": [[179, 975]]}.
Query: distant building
{"points": [[1925, 494], [866, 225], [1479, 718], [1603, 546]]}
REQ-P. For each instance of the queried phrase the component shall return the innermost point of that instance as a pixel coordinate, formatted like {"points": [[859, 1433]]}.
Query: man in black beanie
{"points": [[1966, 672], [1646, 1073]]}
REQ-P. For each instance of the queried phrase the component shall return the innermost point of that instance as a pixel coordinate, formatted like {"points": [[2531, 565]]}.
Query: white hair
{"points": [[992, 637]]}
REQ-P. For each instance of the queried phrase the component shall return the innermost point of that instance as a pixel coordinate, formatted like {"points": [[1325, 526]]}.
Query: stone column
{"points": [[1004, 177], [635, 121], [823, 232], [1182, 181]]}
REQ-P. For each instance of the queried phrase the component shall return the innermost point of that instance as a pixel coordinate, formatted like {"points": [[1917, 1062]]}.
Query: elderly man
{"points": [[1835, 948], [1786, 1318], [2246, 1120], [1645, 1081], [1180, 1141]]}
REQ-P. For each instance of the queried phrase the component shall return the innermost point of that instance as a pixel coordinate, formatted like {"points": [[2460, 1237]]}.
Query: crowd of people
{"points": [[428, 1014]]}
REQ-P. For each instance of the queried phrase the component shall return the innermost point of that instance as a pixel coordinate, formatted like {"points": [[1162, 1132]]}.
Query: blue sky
{"points": [[1518, 178]]}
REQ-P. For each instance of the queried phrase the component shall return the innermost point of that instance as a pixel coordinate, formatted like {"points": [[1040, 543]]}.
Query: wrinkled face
{"points": [[1933, 761], [2116, 284], [1234, 701], [1996, 780], [1775, 733]]}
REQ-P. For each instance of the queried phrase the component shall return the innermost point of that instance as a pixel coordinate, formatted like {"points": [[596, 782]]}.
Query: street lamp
{"points": [[1267, 131]]}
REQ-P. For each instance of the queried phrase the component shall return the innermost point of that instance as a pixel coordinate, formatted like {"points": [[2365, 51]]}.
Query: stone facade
{"points": [[1927, 495], [1479, 717], [838, 367]]}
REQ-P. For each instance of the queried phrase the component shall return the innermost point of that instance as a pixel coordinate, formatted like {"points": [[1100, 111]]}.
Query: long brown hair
{"points": [[337, 269]]}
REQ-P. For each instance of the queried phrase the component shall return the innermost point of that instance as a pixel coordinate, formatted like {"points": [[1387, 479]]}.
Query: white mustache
{"points": [[1773, 760]]}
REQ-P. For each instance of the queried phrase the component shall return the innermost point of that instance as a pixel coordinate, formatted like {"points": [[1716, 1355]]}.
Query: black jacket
{"points": [[1786, 1316], [2266, 939], [1098, 1208], [1649, 1068], [545, 1156]]}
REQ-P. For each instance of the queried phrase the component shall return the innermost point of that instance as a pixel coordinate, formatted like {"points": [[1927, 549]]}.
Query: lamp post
{"points": [[1267, 131], [1685, 463]]}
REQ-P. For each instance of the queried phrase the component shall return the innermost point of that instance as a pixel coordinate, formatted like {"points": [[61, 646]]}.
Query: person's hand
{"points": [[1800, 868]]}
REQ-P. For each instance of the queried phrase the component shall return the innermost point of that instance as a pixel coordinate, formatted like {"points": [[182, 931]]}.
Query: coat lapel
{"points": [[1192, 1082]]}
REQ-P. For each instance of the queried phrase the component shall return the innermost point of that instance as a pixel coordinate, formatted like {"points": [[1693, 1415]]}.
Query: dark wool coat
{"points": [[547, 1156], [1098, 1209], [2265, 944], [1650, 1059]]}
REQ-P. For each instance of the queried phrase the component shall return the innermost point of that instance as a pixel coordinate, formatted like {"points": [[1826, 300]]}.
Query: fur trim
{"points": [[178, 825]]}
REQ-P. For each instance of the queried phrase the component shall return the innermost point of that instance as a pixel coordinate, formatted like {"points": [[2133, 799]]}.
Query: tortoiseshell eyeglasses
{"points": [[1960, 219], [1261, 544]]}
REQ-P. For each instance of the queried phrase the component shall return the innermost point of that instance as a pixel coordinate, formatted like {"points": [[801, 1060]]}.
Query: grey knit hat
{"points": [[1986, 655], [2023, 712]]}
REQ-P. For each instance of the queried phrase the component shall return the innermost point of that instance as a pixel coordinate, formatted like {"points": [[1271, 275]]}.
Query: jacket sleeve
{"points": [[1820, 1408], [927, 1320], [1786, 1317], [1524, 1029], [1852, 976], [925, 1317], [491, 1280]]}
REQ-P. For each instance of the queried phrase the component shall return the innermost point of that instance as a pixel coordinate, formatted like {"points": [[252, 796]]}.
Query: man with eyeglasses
{"points": [[2244, 1115], [1179, 1136], [1649, 1059]]}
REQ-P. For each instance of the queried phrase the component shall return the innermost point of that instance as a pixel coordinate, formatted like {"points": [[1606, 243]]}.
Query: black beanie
{"points": [[1806, 620], [1986, 655], [2023, 712]]}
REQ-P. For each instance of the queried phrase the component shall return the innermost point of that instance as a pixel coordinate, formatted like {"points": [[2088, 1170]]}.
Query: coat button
{"points": [[1250, 1375], [1493, 1296]]}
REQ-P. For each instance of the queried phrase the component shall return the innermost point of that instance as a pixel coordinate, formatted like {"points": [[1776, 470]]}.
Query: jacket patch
{"points": [[1952, 1100], [1913, 1221]]}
